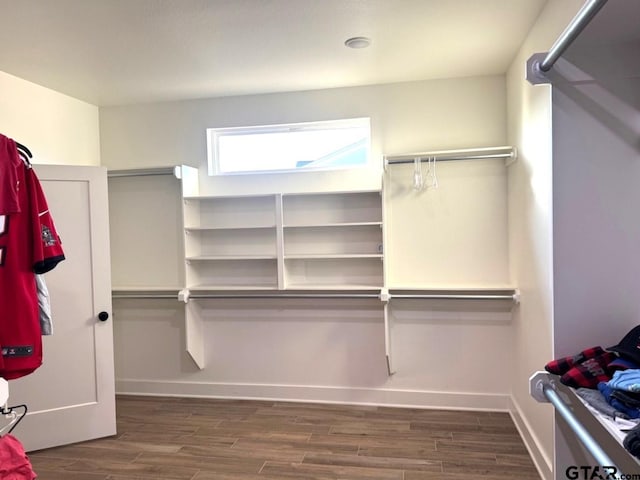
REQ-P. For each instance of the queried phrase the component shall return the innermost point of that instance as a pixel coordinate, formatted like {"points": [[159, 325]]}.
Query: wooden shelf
{"points": [[207, 258], [230, 227], [339, 224], [206, 198], [327, 287], [231, 288], [320, 256]]}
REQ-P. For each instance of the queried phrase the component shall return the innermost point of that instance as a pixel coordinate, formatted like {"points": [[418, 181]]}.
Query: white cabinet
{"points": [[284, 241]]}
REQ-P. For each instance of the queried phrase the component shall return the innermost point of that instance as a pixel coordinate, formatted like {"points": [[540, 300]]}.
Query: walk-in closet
{"points": [[383, 308]]}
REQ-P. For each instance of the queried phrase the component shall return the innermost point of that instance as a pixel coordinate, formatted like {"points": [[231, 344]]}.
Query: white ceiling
{"points": [[109, 52]]}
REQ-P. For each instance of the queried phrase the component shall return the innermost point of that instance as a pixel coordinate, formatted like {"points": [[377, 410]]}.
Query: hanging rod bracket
{"points": [[384, 295], [537, 382], [516, 296], [535, 75], [183, 295], [541, 63]]}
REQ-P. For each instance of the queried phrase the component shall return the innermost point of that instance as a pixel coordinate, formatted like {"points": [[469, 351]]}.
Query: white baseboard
{"points": [[319, 394], [542, 462]]}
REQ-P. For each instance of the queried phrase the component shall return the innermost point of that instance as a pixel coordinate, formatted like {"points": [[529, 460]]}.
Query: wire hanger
{"points": [[419, 180], [25, 153], [16, 417], [24, 149]]}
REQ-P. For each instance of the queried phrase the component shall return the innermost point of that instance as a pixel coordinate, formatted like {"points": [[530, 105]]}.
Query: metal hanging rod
{"points": [[510, 294], [143, 172], [577, 25], [451, 155], [539, 64], [542, 389], [283, 295], [583, 435], [186, 295], [513, 297], [144, 295]]}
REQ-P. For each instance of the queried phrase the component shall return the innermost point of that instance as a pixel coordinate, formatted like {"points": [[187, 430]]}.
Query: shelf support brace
{"points": [[384, 298], [193, 329]]}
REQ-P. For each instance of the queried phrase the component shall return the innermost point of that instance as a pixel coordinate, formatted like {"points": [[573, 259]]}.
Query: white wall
{"points": [[530, 230], [596, 232], [405, 117], [335, 351], [56, 128], [453, 236]]}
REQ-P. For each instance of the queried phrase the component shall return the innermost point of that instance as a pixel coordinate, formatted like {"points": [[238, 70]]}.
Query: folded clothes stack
{"points": [[588, 368], [622, 392], [608, 380]]}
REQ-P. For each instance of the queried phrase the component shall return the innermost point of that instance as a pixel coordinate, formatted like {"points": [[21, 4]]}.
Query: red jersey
{"points": [[29, 244], [10, 164]]}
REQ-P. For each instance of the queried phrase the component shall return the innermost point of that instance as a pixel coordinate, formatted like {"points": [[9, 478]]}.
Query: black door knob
{"points": [[103, 316]]}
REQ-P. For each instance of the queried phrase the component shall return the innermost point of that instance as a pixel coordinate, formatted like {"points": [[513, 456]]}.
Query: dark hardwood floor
{"points": [[203, 439]]}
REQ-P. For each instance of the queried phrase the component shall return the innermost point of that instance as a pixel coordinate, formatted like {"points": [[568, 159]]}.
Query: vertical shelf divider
{"points": [[280, 242], [194, 334], [193, 327], [384, 297]]}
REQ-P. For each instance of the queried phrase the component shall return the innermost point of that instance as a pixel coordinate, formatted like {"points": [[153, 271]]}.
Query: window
{"points": [[287, 148]]}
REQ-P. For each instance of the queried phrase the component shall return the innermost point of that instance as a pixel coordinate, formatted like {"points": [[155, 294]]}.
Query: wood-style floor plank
{"points": [[168, 438]]}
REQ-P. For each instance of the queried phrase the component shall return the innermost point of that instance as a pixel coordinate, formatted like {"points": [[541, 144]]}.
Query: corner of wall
{"points": [[58, 129]]}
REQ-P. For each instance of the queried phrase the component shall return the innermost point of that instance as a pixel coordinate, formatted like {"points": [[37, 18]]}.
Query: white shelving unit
{"points": [[284, 241], [231, 242], [333, 240], [277, 245]]}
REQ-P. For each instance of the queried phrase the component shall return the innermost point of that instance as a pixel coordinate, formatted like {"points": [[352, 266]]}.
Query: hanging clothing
{"points": [[44, 306], [29, 244], [14, 463], [10, 164]]}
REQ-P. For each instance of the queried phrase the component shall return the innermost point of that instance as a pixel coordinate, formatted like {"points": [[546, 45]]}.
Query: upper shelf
{"points": [[333, 224], [316, 256], [230, 227]]}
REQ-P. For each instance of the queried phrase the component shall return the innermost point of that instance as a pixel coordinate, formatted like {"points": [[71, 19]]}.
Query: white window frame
{"points": [[213, 135]]}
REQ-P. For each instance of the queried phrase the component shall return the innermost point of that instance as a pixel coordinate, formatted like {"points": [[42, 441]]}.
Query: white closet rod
{"points": [[144, 295], [539, 65], [436, 296], [451, 155], [513, 297], [564, 41], [542, 389], [285, 295], [142, 172]]}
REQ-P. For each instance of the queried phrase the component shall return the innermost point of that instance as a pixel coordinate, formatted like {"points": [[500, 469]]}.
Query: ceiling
{"points": [[111, 52]]}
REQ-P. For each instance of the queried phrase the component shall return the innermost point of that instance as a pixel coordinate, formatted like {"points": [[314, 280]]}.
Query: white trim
{"points": [[318, 394], [543, 463]]}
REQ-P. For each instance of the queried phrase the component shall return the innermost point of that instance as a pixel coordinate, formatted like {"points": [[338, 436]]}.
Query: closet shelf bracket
{"points": [[384, 298], [183, 295]]}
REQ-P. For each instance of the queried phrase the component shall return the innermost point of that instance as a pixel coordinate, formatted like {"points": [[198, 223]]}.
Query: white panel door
{"points": [[71, 397]]}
